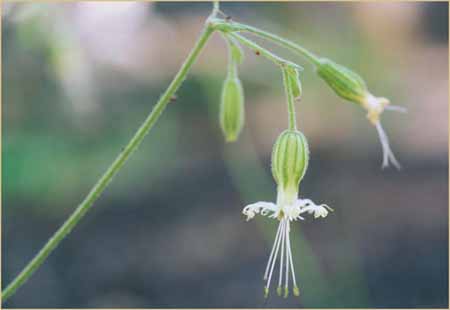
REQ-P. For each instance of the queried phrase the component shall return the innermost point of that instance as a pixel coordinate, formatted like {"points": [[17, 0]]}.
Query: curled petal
{"points": [[262, 207], [308, 206], [388, 155]]}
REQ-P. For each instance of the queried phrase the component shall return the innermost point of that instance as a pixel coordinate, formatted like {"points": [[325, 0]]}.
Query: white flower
{"points": [[375, 107], [288, 208]]}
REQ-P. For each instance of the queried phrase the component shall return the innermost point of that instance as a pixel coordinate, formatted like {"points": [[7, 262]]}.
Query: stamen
{"points": [[286, 285], [296, 291], [279, 291], [290, 257], [280, 279], [277, 237], [266, 292], [387, 152], [396, 108], [275, 257]]}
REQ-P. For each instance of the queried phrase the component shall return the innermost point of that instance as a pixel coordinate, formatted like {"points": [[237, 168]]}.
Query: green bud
{"points": [[345, 83], [296, 291], [232, 108], [290, 158], [294, 80]]}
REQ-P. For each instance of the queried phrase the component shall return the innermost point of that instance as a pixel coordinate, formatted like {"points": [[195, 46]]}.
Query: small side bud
{"points": [[294, 80], [232, 100], [232, 108], [344, 82], [290, 158]]}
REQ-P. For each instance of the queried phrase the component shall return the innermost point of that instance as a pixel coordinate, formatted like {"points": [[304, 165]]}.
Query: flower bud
{"points": [[344, 82], [290, 158], [232, 108], [294, 80]]}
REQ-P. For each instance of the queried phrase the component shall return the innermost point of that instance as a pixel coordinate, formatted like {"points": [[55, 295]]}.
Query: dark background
{"points": [[78, 78]]}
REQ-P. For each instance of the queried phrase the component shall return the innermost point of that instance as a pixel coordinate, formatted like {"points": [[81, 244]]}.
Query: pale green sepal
{"points": [[232, 111], [344, 82]]}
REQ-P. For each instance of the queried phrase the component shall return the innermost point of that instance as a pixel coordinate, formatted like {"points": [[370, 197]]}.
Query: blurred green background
{"points": [[78, 79]]}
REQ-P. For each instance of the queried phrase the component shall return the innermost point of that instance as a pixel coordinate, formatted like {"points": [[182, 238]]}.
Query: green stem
{"points": [[296, 48], [264, 52], [290, 99], [113, 169], [232, 63]]}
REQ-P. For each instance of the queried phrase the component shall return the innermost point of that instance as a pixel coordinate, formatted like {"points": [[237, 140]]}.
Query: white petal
{"points": [[308, 206], [262, 207]]}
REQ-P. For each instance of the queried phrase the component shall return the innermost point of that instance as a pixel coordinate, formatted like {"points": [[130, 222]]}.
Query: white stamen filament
{"points": [[286, 262], [275, 255], [387, 152], [286, 283], [290, 255], [282, 255], [277, 237]]}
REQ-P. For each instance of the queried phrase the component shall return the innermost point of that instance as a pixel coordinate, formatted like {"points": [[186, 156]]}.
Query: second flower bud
{"points": [[232, 108], [232, 101]]}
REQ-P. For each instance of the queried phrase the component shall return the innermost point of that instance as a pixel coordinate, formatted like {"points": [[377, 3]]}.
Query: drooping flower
{"points": [[375, 106], [289, 163], [350, 86]]}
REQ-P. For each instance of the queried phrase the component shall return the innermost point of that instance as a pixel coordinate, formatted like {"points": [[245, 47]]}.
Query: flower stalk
{"points": [[287, 81]]}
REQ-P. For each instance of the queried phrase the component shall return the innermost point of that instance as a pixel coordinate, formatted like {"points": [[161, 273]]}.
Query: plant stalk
{"points": [[114, 168], [225, 26]]}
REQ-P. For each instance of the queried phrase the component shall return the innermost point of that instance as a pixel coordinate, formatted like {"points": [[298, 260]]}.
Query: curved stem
{"points": [[112, 170], [232, 69], [296, 48], [290, 99], [264, 52]]}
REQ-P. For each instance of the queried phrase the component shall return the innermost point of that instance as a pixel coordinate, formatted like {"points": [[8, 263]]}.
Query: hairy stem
{"points": [[114, 168]]}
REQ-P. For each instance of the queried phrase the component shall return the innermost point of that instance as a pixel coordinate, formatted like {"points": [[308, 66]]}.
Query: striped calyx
{"points": [[344, 82], [290, 158]]}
